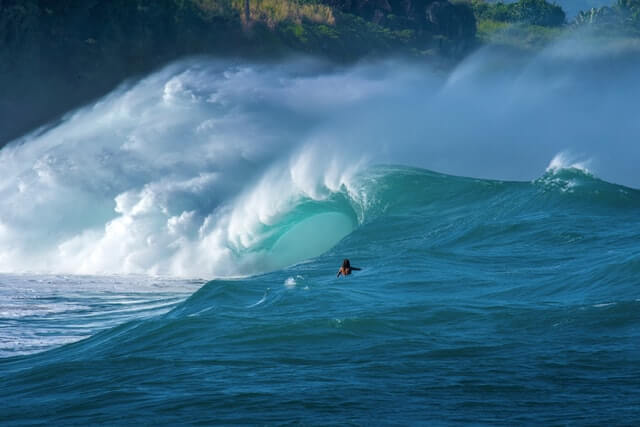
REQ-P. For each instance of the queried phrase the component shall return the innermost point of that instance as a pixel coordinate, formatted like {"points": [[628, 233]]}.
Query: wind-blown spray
{"points": [[217, 168]]}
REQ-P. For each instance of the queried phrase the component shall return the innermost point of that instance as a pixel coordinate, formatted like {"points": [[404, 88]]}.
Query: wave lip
{"points": [[565, 160]]}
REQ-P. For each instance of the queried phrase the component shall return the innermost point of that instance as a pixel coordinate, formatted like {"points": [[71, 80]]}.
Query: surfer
{"points": [[346, 268]]}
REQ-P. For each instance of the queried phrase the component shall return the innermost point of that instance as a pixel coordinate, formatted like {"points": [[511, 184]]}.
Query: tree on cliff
{"points": [[450, 19], [538, 12], [531, 12], [623, 15], [631, 11]]}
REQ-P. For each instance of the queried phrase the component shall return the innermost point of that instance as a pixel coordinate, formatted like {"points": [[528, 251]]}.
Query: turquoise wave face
{"points": [[309, 229], [478, 302]]}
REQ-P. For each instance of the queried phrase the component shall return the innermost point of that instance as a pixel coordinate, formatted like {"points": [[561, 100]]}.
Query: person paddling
{"points": [[346, 268]]}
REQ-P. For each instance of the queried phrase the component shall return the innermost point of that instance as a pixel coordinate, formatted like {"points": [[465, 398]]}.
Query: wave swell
{"points": [[218, 169]]}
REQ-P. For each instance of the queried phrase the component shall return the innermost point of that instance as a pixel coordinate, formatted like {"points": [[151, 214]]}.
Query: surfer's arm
{"points": [[356, 268], [339, 273]]}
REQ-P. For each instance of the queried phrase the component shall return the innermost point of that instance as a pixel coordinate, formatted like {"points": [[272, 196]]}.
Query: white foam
{"points": [[187, 171], [567, 160], [606, 304], [176, 175], [261, 301]]}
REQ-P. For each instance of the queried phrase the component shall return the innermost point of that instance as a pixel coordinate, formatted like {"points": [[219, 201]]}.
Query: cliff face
{"points": [[454, 21]]}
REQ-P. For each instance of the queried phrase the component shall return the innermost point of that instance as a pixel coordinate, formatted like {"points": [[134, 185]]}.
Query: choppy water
{"points": [[38, 312], [479, 301]]}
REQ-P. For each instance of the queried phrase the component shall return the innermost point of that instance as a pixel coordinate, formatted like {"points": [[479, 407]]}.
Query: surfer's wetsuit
{"points": [[346, 268]]}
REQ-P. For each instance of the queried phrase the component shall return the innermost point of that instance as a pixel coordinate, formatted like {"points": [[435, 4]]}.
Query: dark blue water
{"points": [[478, 302]]}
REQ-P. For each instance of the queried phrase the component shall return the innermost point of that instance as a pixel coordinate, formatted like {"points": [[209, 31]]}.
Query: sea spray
{"points": [[199, 169]]}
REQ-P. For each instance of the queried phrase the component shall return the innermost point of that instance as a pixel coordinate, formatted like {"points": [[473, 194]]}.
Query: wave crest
{"points": [[217, 169]]}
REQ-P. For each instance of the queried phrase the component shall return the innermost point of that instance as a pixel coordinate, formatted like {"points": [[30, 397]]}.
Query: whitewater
{"points": [[169, 252]]}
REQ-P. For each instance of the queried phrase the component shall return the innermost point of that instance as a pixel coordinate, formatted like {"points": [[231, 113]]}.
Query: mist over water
{"points": [[218, 168]]}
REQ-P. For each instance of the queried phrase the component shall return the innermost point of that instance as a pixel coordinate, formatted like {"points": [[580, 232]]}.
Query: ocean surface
{"points": [[168, 254], [479, 301]]}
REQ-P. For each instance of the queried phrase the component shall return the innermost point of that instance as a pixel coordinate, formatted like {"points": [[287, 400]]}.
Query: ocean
{"points": [[169, 253]]}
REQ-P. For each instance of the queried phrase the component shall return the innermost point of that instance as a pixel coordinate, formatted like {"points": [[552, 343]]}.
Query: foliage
{"points": [[273, 12], [538, 12], [531, 12], [630, 10], [623, 16], [519, 36], [496, 12]]}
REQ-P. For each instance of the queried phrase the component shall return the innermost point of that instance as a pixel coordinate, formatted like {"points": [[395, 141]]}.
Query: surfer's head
{"points": [[346, 263]]}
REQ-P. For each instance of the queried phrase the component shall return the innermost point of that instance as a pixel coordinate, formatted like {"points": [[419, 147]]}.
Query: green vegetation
{"points": [[518, 36], [274, 12], [523, 25], [529, 25], [529, 12], [622, 17]]}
